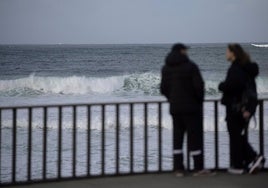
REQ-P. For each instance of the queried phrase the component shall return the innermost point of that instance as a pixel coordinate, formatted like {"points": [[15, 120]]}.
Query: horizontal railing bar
{"points": [[99, 104], [80, 104], [96, 104]]}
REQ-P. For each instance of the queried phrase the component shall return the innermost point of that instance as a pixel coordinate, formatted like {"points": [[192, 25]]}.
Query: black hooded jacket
{"points": [[182, 84], [235, 82]]}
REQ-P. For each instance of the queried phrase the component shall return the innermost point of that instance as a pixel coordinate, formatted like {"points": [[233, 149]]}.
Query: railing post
{"points": [[216, 135], [44, 142], [88, 139], [74, 141], [102, 140], [261, 127], [14, 151], [159, 136], [117, 147], [145, 137], [29, 144], [59, 140], [131, 137]]}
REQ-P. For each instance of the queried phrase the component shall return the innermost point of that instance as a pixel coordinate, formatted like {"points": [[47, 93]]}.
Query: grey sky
{"points": [[132, 21]]}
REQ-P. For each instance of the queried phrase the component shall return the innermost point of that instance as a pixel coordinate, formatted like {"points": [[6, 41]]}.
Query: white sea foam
{"points": [[34, 85], [146, 83], [260, 45], [143, 83]]}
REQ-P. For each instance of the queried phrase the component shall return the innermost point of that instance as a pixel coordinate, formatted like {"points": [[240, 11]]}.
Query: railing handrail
{"points": [[106, 103], [80, 104]]}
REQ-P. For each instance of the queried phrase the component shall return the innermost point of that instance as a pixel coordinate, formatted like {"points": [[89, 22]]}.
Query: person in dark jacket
{"points": [[240, 72], [183, 86]]}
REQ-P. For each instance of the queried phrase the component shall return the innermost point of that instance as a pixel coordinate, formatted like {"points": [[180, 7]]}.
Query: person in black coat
{"points": [[240, 72], [183, 86]]}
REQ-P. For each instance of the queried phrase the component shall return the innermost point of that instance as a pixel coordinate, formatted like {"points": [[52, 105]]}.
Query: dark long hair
{"points": [[241, 56]]}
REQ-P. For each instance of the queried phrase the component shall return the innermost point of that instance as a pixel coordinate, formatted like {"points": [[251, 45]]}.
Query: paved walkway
{"points": [[220, 180]]}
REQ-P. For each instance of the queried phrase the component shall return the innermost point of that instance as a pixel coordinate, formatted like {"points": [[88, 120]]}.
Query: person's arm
{"points": [[198, 84], [164, 85], [234, 82]]}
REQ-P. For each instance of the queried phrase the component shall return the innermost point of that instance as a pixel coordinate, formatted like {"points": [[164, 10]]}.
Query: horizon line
{"points": [[153, 43]]}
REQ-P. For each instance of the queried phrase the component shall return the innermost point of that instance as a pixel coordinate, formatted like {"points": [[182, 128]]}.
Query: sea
{"points": [[73, 74]]}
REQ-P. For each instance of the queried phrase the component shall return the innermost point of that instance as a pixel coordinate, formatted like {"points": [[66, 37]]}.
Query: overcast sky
{"points": [[132, 21]]}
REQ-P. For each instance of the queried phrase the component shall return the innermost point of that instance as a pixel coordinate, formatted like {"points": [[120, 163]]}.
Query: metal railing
{"points": [[89, 150]]}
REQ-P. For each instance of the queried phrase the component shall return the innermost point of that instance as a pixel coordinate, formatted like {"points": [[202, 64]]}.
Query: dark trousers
{"points": [[241, 152], [192, 124]]}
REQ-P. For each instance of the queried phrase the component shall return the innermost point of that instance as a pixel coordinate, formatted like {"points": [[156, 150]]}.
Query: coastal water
{"points": [[60, 74]]}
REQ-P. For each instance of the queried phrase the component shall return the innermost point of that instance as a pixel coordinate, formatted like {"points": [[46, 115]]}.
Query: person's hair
{"points": [[241, 56]]}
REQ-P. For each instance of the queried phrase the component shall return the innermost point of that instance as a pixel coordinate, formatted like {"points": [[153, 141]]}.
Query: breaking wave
{"points": [[260, 45], [143, 83]]}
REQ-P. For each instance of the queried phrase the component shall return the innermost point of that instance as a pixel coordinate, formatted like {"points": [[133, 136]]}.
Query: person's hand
{"points": [[246, 115], [221, 86]]}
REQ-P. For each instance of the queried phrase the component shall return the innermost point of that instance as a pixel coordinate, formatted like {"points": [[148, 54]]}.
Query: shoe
{"points": [[257, 164], [203, 172], [180, 173], [236, 171]]}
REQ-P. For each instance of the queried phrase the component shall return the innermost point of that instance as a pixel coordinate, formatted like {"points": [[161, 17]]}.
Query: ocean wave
{"points": [[146, 83], [142, 83], [35, 85], [260, 45]]}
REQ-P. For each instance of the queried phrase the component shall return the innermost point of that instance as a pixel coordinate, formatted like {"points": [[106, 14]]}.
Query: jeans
{"points": [[241, 152]]}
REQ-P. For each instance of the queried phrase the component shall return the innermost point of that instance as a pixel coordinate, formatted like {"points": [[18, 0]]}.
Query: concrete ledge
{"points": [[220, 180]]}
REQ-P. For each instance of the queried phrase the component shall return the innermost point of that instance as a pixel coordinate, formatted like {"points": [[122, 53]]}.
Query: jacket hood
{"points": [[175, 59], [252, 69]]}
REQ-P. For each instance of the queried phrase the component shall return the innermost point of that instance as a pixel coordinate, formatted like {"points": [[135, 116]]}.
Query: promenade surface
{"points": [[169, 180]]}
